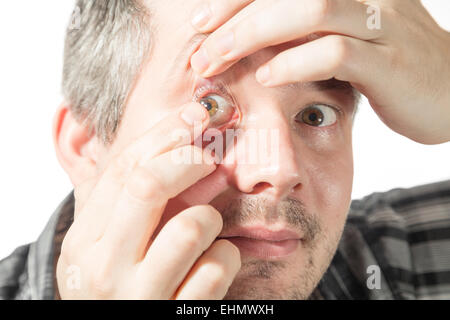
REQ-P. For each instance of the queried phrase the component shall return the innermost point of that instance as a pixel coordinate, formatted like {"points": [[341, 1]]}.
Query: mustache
{"points": [[290, 211]]}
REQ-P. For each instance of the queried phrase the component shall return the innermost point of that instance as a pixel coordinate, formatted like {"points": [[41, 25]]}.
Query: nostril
{"points": [[260, 187], [297, 187]]}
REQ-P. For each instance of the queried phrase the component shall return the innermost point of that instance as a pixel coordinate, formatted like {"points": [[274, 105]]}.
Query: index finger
{"points": [[210, 14], [266, 24]]}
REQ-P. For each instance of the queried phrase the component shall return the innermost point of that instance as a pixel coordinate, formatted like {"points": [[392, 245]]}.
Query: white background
{"points": [[31, 181]]}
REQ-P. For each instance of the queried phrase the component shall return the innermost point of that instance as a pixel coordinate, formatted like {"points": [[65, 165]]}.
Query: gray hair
{"points": [[103, 55]]}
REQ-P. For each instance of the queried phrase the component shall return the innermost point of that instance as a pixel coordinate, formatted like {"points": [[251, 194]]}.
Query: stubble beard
{"points": [[293, 278]]}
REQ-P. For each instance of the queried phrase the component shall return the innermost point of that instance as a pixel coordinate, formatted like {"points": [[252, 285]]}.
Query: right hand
{"points": [[110, 245]]}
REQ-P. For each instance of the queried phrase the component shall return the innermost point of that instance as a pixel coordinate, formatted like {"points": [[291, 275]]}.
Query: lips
{"points": [[263, 243]]}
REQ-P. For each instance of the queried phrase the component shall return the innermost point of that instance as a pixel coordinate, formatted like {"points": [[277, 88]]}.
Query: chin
{"points": [[274, 280], [249, 289]]}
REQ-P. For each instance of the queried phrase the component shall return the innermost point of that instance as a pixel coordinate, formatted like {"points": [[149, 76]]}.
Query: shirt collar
{"points": [[44, 252]]}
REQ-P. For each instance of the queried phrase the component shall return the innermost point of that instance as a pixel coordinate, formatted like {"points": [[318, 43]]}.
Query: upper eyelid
{"points": [[334, 107], [204, 90]]}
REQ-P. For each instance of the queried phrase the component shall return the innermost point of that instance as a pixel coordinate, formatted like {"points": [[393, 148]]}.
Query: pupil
{"points": [[206, 104], [313, 117]]}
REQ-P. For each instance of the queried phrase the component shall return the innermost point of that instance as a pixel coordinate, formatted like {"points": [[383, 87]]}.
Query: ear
{"points": [[77, 150]]}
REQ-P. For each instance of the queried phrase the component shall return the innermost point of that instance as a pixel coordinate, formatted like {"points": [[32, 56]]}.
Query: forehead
{"points": [[170, 26], [173, 15]]}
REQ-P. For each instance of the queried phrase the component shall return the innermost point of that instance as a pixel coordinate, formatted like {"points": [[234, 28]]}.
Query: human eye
{"points": [[318, 115], [221, 107]]}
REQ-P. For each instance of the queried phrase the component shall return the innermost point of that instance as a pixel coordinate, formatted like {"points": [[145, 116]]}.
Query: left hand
{"points": [[403, 67]]}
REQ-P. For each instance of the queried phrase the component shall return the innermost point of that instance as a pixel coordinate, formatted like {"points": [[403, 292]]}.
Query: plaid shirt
{"points": [[401, 236]]}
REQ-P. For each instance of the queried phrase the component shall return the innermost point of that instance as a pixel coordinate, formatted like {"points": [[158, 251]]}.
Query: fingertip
{"points": [[264, 75], [193, 113]]}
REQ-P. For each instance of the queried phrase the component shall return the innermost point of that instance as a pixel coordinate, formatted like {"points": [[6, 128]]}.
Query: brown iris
{"points": [[210, 104], [312, 117]]}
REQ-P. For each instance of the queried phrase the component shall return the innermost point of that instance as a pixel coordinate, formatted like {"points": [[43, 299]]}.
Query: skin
{"points": [[148, 228], [409, 50]]}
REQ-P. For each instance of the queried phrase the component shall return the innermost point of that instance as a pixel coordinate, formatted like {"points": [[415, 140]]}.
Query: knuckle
{"points": [[192, 228], [393, 11], [339, 50], [395, 57], [214, 217], [319, 11], [101, 281], [123, 164], [250, 26], [250, 31], [188, 154], [190, 231], [143, 185], [113, 243], [217, 275]]}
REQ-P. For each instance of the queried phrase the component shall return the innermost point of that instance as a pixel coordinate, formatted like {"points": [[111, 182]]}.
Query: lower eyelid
{"points": [[229, 124]]}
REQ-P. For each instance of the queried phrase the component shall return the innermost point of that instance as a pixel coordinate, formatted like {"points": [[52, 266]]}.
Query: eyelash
{"points": [[335, 108], [208, 89]]}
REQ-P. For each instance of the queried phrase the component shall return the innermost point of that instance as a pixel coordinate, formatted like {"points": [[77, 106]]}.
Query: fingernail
{"points": [[201, 16], [225, 43], [193, 114], [263, 74], [200, 60]]}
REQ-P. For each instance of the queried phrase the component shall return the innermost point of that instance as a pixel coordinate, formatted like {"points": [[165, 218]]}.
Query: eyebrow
{"points": [[326, 85], [183, 57]]}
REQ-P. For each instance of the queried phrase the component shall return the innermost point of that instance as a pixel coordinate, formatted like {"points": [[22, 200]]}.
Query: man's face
{"points": [[303, 193]]}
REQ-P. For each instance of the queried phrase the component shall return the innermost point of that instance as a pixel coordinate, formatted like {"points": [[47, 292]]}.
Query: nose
{"points": [[266, 159]]}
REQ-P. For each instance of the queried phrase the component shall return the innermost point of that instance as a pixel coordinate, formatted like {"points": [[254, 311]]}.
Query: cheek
{"points": [[330, 179], [324, 141]]}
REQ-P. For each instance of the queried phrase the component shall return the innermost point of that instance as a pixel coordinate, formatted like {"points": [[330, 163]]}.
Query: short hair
{"points": [[103, 54]]}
